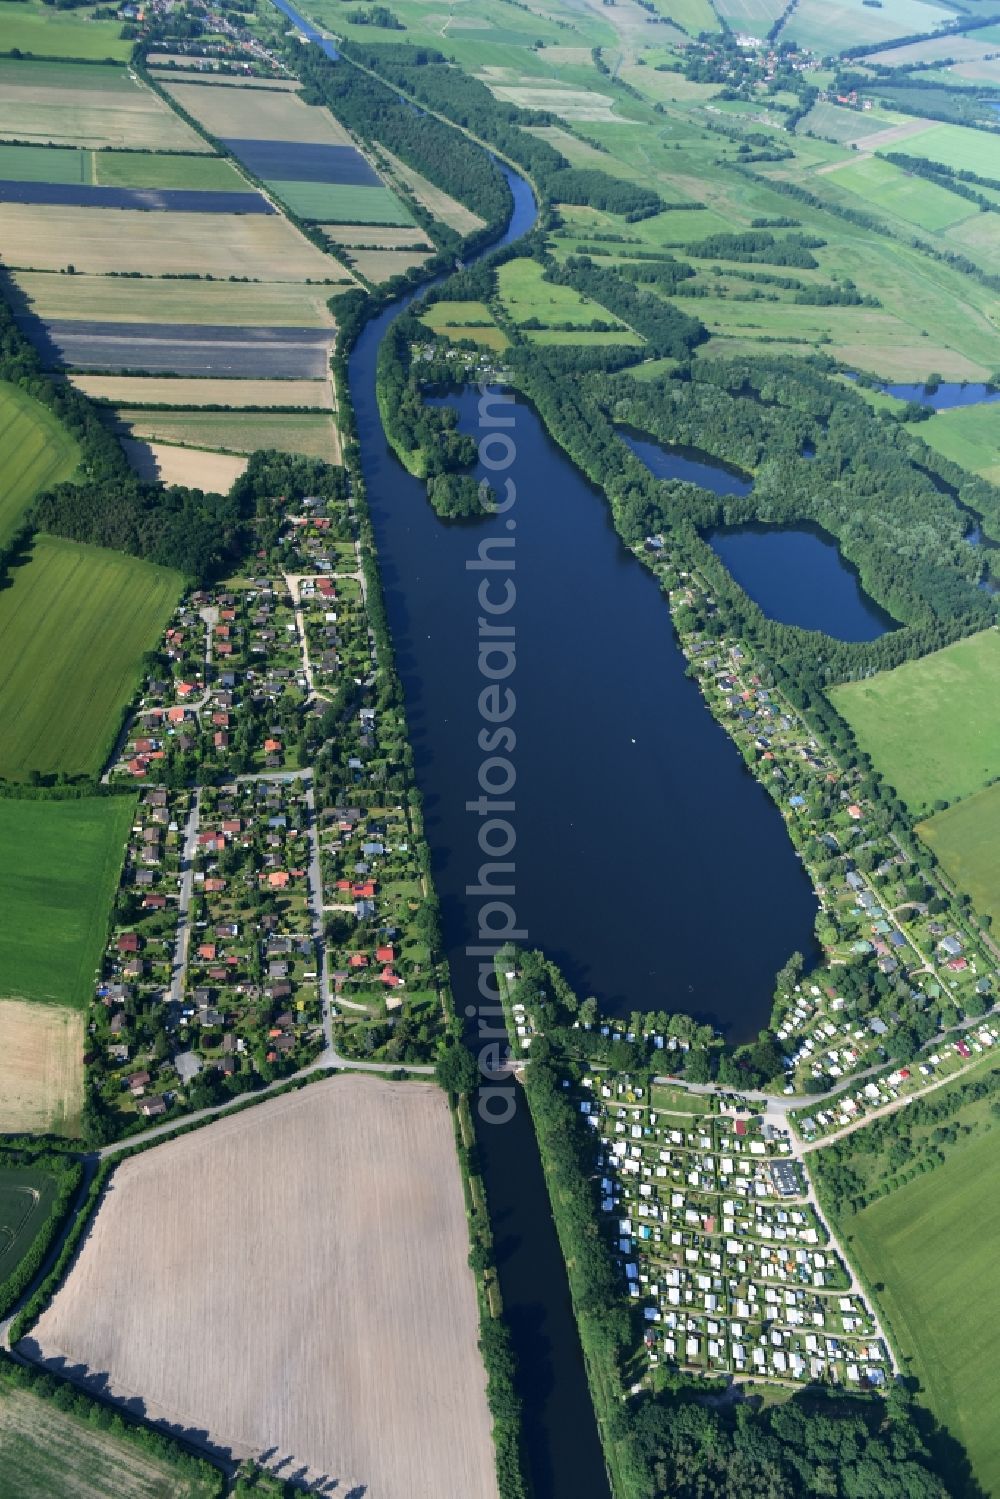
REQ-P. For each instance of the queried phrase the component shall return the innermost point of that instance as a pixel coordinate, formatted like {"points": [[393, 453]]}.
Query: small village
{"points": [[272, 902]]}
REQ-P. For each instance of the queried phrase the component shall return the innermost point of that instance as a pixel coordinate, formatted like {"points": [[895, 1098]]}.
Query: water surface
{"points": [[798, 577], [689, 464]]}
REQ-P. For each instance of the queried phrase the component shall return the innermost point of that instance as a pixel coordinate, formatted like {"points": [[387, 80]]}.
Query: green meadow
{"points": [[36, 452], [58, 877], [28, 26], [527, 296], [932, 727], [966, 839], [931, 1248], [888, 189], [968, 435], [75, 621]]}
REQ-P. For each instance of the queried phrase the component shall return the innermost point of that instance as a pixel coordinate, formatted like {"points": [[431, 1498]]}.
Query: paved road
{"points": [[183, 939]]}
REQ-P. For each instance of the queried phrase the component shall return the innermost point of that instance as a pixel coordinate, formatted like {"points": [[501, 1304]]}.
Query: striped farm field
{"points": [[75, 621], [312, 434], [36, 451], [341, 202]]}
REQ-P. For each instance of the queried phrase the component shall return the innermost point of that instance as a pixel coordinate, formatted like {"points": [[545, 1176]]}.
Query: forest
{"points": [[867, 481], [376, 112], [427, 76], [201, 535]]}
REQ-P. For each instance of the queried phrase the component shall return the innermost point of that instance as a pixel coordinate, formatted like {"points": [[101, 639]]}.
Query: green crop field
{"points": [[966, 839], [57, 880], [753, 16], [932, 727], [43, 164], [931, 1245], [828, 26], [50, 1451], [36, 452], [75, 621], [956, 146], [144, 169], [32, 27], [341, 203], [888, 189], [968, 435], [692, 15], [25, 1195]]}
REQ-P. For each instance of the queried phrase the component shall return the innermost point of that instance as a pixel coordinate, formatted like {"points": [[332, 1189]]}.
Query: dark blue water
{"points": [[431, 605], [648, 861], [946, 395], [797, 576], [689, 464]]}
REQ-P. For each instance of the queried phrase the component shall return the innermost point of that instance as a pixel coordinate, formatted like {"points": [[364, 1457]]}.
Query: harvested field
{"points": [[75, 621], [257, 114], [437, 203], [384, 237], [154, 461], [49, 1451], [380, 265], [294, 1281], [113, 299], [325, 202], [260, 247], [87, 105], [309, 394], [182, 349], [147, 199], [299, 161], [584, 106], [41, 1074], [312, 434]]}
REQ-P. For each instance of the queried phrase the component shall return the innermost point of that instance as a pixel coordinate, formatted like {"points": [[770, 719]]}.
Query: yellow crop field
{"points": [[110, 299], [96, 240], [243, 114]]}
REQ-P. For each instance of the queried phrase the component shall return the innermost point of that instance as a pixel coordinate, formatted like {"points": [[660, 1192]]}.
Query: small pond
{"points": [[946, 395], [690, 464], [798, 577]]}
